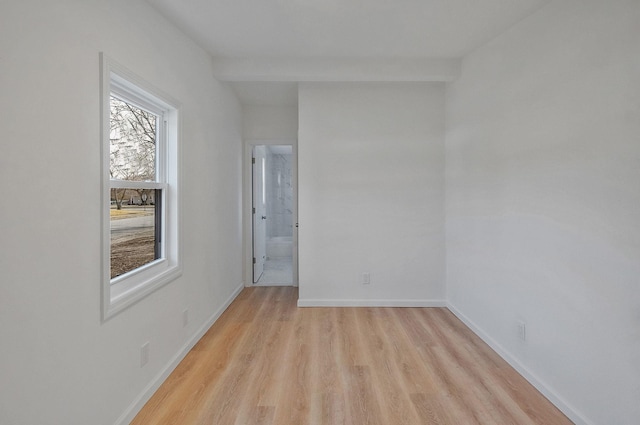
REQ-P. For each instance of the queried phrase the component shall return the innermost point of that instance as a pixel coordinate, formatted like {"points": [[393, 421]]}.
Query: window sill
{"points": [[127, 291]]}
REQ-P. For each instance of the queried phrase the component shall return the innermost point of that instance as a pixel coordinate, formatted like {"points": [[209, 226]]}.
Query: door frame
{"points": [[247, 204], [258, 183]]}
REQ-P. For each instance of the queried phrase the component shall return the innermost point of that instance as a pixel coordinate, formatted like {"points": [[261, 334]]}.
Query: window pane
{"points": [[132, 142], [135, 218]]}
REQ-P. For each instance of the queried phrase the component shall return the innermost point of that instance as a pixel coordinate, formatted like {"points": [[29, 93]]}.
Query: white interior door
{"points": [[259, 212], [294, 209]]}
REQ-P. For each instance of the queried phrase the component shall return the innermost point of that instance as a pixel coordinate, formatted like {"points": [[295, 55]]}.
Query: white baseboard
{"points": [[153, 386], [549, 393], [370, 303]]}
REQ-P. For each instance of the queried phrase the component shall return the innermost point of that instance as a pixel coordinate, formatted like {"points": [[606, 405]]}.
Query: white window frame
{"points": [[123, 291]]}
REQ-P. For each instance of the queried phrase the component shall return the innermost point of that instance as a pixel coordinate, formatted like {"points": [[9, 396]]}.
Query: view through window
{"points": [[135, 211]]}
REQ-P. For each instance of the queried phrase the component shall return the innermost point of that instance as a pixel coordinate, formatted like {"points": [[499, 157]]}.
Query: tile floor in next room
{"points": [[277, 272]]}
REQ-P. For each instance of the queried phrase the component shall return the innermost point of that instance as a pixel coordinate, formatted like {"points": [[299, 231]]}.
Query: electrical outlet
{"points": [[144, 354], [185, 318], [522, 331], [366, 278]]}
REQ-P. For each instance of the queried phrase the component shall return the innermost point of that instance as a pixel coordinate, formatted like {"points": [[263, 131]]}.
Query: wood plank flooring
{"points": [[265, 361]]}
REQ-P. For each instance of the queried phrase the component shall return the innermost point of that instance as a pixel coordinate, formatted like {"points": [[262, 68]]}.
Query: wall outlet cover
{"points": [[144, 354], [522, 331]]}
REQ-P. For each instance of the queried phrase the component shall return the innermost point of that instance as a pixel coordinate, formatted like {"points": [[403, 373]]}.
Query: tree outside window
{"points": [[132, 158]]}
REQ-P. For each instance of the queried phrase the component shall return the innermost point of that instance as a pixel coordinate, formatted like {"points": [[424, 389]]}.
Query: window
{"points": [[140, 189]]}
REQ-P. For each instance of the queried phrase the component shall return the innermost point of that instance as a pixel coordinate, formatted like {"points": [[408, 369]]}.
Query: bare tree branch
{"points": [[133, 142]]}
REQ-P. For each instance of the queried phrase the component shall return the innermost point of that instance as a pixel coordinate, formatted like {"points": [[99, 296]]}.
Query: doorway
{"points": [[272, 197]]}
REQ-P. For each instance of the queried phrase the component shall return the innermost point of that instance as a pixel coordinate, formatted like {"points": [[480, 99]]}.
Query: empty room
{"points": [[329, 212]]}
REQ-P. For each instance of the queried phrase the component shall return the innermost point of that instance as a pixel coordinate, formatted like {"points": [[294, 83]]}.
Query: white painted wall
{"points": [[371, 193], [269, 122], [58, 363], [543, 195]]}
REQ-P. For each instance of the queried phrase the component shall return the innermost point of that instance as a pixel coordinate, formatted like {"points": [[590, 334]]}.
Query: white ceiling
{"points": [[353, 29], [344, 28]]}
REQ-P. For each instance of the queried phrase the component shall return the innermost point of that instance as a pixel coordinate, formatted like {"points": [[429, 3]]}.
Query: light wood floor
{"points": [[267, 362]]}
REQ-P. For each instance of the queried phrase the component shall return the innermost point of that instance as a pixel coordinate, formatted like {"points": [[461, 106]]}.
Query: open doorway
{"points": [[273, 215]]}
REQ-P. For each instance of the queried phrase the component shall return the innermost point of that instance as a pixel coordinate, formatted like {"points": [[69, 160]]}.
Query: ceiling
{"points": [[346, 29]]}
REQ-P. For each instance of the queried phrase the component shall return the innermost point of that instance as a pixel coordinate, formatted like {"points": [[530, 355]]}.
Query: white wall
{"points": [[58, 363], [270, 122], [371, 193], [543, 194]]}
